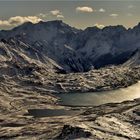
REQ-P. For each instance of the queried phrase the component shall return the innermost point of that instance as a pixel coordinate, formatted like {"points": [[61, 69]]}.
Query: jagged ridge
{"points": [[73, 50]]}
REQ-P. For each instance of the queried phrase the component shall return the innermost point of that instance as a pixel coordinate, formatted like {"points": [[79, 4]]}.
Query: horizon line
{"points": [[127, 28]]}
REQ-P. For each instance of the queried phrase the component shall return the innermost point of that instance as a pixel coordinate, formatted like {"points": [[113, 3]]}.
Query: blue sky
{"points": [[77, 13]]}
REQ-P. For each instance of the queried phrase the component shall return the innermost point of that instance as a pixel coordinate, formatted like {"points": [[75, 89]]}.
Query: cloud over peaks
{"points": [[85, 9], [101, 10], [17, 20], [57, 13], [60, 16], [99, 25]]}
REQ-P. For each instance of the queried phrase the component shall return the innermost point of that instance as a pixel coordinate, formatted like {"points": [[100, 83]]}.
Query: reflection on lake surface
{"points": [[98, 98]]}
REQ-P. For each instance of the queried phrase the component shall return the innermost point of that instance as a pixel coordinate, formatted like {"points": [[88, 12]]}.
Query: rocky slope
{"points": [[75, 50], [38, 60], [109, 121], [22, 90]]}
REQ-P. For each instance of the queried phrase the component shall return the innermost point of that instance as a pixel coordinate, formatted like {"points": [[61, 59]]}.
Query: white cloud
{"points": [[55, 12], [4, 23], [101, 10], [42, 15], [84, 9], [60, 16], [17, 20], [99, 25], [114, 15]]}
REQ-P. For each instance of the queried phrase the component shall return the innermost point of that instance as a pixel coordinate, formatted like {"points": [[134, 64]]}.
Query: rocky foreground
{"points": [[111, 121], [20, 92], [39, 61]]}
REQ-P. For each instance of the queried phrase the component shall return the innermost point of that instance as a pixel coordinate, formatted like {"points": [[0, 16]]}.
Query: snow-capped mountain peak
{"points": [[70, 48]]}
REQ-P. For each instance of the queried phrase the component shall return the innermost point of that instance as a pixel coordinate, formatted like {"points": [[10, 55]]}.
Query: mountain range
{"points": [[40, 61], [62, 48]]}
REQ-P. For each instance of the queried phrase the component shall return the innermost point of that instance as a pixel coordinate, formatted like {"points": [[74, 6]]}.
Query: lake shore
{"points": [[22, 92]]}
